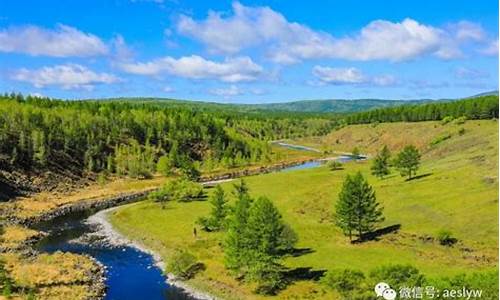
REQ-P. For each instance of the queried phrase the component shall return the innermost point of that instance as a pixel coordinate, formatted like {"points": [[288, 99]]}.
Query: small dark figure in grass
{"points": [[194, 232]]}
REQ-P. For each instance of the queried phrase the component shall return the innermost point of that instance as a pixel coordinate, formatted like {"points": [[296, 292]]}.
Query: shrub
{"points": [[397, 276], [165, 166], [344, 281], [287, 239], [445, 238], [334, 165], [440, 139], [460, 120], [446, 120], [268, 277], [461, 131], [101, 179], [184, 265], [179, 189], [487, 282]]}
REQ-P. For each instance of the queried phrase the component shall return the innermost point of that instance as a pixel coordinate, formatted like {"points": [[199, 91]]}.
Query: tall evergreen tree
{"points": [[236, 242], [264, 231], [408, 161], [357, 209], [380, 166], [217, 218]]}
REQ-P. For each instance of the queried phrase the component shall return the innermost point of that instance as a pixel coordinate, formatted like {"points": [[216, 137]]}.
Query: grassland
{"points": [[457, 191]]}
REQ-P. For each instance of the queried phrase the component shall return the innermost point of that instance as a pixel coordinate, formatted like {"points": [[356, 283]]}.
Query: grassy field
{"points": [[457, 191]]}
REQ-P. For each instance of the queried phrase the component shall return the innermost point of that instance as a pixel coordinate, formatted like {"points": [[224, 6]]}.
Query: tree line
{"points": [[485, 107]]}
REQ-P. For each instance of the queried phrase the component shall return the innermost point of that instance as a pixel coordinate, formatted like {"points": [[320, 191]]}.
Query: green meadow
{"points": [[456, 189]]}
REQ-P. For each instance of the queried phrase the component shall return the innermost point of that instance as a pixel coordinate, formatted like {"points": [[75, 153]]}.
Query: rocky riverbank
{"points": [[16, 248], [83, 205], [115, 238]]}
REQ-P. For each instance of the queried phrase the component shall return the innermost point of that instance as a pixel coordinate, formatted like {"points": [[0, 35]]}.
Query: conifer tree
{"points": [[380, 166], [236, 242], [408, 161], [357, 209], [217, 218]]}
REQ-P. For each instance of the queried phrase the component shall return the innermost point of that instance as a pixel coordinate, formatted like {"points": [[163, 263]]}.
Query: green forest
{"points": [[130, 138]]}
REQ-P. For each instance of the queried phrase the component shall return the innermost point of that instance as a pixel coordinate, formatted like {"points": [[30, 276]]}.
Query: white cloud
{"points": [[121, 51], [384, 80], [168, 89], [328, 75], [289, 42], [470, 73], [465, 30], [64, 41], [69, 76], [491, 48], [196, 67], [230, 91], [338, 75]]}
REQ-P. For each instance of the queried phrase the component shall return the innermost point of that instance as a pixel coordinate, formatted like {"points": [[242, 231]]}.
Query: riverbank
{"points": [[115, 238], [55, 276]]}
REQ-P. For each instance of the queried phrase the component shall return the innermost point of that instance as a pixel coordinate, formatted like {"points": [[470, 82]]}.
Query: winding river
{"points": [[130, 272]]}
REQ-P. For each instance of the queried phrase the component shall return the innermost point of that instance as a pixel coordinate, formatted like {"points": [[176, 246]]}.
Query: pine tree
{"points": [[408, 161], [217, 217], [240, 190], [236, 238], [39, 147], [256, 241], [380, 166], [357, 208], [264, 229]]}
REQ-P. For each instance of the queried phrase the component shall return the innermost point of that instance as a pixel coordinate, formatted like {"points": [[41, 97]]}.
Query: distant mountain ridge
{"points": [[347, 106], [336, 105], [302, 106]]}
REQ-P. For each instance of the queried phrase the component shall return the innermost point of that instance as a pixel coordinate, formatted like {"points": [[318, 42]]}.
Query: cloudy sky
{"points": [[249, 51]]}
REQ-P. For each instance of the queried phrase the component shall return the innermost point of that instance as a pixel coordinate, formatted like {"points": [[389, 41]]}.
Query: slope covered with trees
{"points": [[78, 138], [484, 107]]}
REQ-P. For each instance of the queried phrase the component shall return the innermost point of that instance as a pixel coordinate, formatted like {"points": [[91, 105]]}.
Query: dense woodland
{"points": [[129, 138], [485, 107]]}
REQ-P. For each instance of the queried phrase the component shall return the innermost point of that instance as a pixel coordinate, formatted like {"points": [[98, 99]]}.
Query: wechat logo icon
{"points": [[383, 290]]}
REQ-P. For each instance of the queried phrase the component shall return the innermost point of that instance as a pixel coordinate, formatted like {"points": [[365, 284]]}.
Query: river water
{"points": [[131, 274]]}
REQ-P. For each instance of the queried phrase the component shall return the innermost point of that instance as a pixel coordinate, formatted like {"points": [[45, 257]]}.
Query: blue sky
{"points": [[249, 51]]}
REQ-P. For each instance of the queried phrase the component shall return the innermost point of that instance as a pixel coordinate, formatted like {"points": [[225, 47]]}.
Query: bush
{"points": [[344, 281], [446, 120], [179, 189], [269, 279], [334, 165], [460, 120], [165, 166], [397, 276], [184, 265], [487, 282], [461, 131], [445, 238], [101, 179], [288, 238], [440, 139]]}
